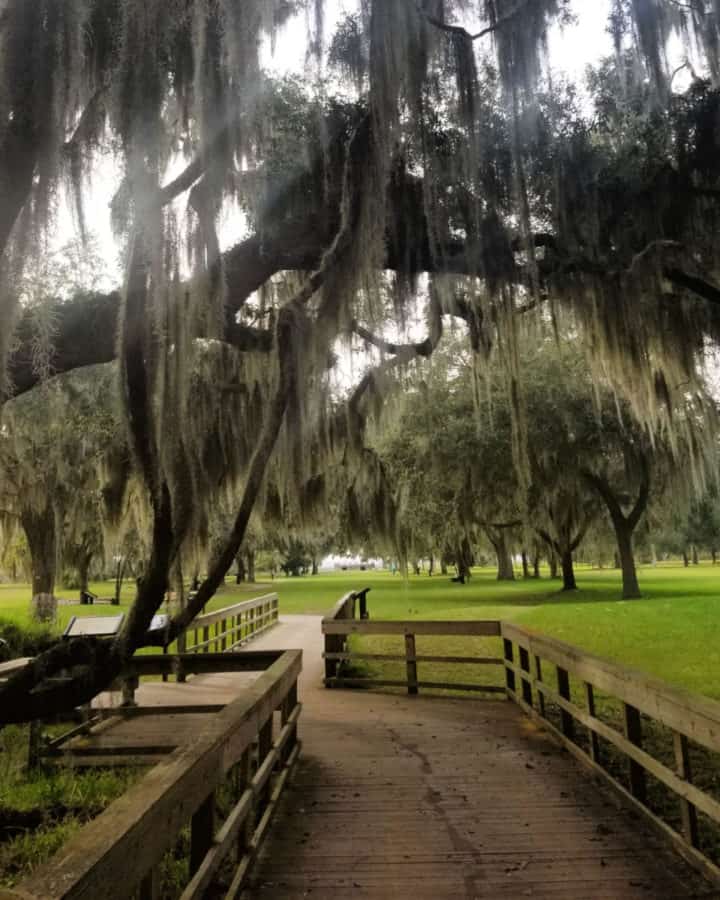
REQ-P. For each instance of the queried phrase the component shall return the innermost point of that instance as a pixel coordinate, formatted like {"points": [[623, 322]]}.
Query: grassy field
{"points": [[673, 632]]}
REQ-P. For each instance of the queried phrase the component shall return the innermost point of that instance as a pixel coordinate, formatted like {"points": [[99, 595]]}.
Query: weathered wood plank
{"points": [[416, 627], [695, 716], [143, 823]]}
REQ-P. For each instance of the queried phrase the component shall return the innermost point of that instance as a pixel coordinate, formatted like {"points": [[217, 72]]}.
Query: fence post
{"points": [[538, 678], [687, 809], [331, 665], [244, 779], [566, 719], [633, 732], [411, 664], [509, 674], [150, 886], [265, 740], [289, 704], [592, 736], [202, 832], [525, 666]]}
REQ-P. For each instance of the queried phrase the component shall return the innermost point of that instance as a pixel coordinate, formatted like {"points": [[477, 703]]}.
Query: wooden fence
{"points": [[227, 628], [541, 676], [118, 855], [541, 672], [341, 623]]}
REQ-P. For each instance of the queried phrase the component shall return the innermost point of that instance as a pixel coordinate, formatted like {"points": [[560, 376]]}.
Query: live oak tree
{"points": [[449, 159]]}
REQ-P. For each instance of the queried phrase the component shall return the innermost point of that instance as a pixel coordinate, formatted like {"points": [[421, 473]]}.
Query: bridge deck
{"points": [[418, 797]]}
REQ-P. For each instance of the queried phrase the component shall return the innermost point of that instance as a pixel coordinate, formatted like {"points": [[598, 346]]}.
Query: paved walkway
{"points": [[416, 797]]}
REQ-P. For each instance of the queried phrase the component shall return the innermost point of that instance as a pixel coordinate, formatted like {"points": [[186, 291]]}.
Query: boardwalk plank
{"points": [[419, 797]]}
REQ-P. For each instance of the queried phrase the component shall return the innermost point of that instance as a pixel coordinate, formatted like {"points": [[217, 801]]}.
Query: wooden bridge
{"points": [[407, 795]]}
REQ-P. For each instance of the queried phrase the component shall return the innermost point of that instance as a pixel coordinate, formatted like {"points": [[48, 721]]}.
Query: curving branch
{"points": [[459, 31]]}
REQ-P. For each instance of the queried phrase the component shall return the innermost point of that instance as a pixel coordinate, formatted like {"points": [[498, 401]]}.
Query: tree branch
{"points": [[459, 31]]}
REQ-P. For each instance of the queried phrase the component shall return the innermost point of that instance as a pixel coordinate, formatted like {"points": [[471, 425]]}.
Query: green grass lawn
{"points": [[673, 632]]}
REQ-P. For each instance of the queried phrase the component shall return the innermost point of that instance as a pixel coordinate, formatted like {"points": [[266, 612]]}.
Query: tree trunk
{"points": [[686, 561], [506, 571], [250, 559], [695, 559], [314, 566], [713, 555], [443, 566], [568, 572], [119, 574], [240, 571], [40, 531], [617, 562], [536, 565], [631, 588], [416, 567], [525, 565], [84, 570], [653, 555], [431, 565], [553, 563]]}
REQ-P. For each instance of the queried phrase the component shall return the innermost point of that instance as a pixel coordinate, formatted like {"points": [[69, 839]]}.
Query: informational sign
{"points": [[94, 626]]}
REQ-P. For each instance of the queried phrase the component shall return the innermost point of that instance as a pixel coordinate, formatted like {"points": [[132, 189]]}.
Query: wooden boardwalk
{"points": [[421, 797]]}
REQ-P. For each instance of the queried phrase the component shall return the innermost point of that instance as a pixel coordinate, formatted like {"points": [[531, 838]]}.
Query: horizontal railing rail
{"points": [[228, 628], [341, 623], [541, 673], [120, 852]]}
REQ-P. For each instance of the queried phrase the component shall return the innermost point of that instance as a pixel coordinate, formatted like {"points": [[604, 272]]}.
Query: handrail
{"points": [[341, 623], [217, 615], [145, 822], [234, 625], [688, 716]]}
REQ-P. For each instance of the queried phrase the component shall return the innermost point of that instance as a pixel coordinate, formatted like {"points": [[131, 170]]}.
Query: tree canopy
{"points": [[428, 167]]}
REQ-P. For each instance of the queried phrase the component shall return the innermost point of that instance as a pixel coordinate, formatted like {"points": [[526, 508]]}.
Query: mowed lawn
{"points": [[673, 632]]}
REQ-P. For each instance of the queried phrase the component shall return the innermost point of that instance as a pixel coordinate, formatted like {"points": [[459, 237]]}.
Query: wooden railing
{"points": [[227, 628], [341, 623], [118, 855], [540, 675]]}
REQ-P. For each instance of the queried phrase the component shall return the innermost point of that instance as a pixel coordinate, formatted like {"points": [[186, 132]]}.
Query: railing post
{"points": [[331, 665], [566, 719], [289, 704], [539, 678], [411, 664], [525, 666], [633, 732], [223, 644], [684, 771], [244, 779], [265, 741], [202, 832], [150, 886], [509, 674], [592, 736], [206, 638]]}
